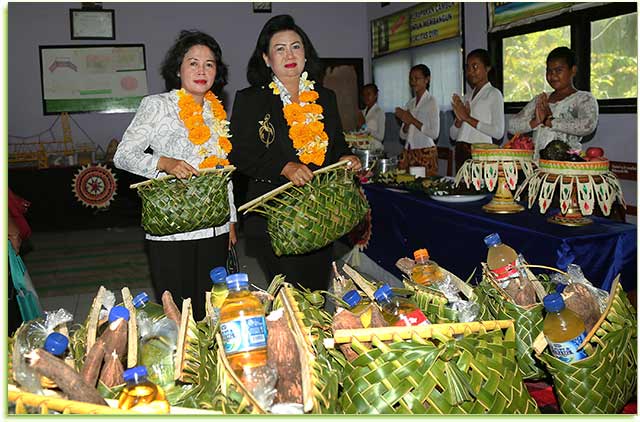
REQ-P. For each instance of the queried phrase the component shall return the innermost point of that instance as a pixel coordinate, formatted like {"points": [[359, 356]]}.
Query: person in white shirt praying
{"points": [[420, 123], [372, 116], [479, 116]]}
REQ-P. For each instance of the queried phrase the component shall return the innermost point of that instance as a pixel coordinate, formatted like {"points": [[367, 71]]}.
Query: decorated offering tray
{"points": [[434, 186], [580, 185], [494, 167]]}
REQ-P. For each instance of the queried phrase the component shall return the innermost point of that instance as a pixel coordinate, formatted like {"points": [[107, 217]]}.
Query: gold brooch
{"points": [[266, 131]]}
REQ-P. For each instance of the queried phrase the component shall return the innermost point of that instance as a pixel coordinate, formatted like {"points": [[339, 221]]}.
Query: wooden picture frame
{"points": [[92, 24], [261, 7]]}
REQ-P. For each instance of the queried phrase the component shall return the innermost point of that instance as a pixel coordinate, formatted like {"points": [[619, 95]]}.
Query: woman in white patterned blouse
{"points": [[186, 129], [566, 114]]}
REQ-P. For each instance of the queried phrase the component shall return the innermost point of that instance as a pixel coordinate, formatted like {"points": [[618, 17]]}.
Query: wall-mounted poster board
{"points": [[421, 24], [503, 15], [92, 78]]}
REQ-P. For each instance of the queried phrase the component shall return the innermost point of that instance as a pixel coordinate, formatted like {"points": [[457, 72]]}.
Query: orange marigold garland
{"points": [[305, 128], [193, 116]]}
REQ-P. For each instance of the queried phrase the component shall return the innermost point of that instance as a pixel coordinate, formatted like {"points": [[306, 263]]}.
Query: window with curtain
{"points": [[444, 59], [391, 73]]}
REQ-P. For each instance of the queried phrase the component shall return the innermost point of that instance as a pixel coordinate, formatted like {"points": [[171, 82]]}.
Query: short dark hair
{"points": [[563, 53], [372, 86], [173, 59], [482, 55], [426, 72], [257, 71]]}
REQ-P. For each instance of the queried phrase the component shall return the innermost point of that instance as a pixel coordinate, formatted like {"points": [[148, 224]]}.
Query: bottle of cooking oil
{"points": [[141, 394], [219, 290], [398, 310], [358, 306], [56, 344], [425, 272], [243, 326], [564, 329], [141, 302]]}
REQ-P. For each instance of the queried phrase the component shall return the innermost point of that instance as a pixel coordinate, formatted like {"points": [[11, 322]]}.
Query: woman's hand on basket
{"points": [[354, 162], [298, 174], [179, 168]]}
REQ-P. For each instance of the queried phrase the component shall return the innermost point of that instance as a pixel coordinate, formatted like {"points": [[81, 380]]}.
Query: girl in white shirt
{"points": [[479, 116], [372, 117], [420, 123]]}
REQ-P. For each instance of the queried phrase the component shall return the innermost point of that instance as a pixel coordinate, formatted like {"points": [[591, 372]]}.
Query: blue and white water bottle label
{"points": [[244, 334], [567, 351]]}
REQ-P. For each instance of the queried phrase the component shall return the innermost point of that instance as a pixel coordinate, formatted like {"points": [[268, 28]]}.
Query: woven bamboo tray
{"points": [[304, 219], [607, 379], [462, 368], [171, 205]]}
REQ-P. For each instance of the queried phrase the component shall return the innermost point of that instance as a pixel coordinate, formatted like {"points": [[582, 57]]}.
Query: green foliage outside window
{"points": [[524, 58], [614, 59]]}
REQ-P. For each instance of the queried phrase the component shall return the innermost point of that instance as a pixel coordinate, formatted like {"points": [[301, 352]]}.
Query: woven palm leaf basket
{"points": [[606, 379], [461, 368], [528, 319], [309, 324], [171, 205], [304, 219]]}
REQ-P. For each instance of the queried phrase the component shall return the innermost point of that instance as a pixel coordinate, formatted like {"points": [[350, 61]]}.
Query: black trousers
{"points": [[182, 268], [311, 270]]}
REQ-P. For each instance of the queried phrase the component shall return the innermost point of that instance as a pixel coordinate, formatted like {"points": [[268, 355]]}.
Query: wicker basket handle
{"points": [[171, 176], [251, 204]]}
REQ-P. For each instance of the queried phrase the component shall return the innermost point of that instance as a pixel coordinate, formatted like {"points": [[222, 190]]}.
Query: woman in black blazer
{"points": [[281, 72]]}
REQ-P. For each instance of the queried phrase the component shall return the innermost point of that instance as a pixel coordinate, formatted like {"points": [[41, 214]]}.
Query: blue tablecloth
{"points": [[454, 232]]}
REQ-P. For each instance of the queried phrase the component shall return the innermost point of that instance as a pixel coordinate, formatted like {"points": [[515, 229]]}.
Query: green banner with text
{"points": [[504, 13]]}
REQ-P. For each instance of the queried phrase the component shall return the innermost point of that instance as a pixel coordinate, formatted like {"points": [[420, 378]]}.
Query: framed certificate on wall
{"points": [[92, 24]]}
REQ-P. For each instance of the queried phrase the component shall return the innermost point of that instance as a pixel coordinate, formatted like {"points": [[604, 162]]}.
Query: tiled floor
{"points": [[79, 304]]}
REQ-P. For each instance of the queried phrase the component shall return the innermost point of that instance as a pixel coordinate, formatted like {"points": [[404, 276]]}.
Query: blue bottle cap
{"points": [[492, 240], [237, 280], [118, 312], [383, 293], [140, 300], [56, 343], [218, 275], [135, 373], [553, 302], [352, 297]]}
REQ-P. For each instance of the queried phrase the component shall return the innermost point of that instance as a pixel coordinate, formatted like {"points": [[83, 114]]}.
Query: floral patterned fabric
{"points": [[574, 117]]}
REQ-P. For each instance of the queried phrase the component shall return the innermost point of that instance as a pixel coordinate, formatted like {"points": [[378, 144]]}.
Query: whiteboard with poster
{"points": [[92, 78]]}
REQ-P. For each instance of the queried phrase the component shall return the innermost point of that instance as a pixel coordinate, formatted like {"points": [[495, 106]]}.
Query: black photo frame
{"points": [[261, 7], [92, 24]]}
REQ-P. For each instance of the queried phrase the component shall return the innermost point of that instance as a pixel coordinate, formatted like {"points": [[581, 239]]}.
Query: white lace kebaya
{"points": [[574, 117]]}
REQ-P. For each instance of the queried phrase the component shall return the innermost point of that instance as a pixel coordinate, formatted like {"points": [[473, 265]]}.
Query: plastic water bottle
{"points": [[398, 310], [243, 326], [501, 260], [141, 302], [425, 272], [157, 349], [563, 329], [141, 394]]}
